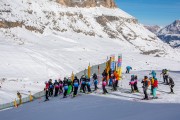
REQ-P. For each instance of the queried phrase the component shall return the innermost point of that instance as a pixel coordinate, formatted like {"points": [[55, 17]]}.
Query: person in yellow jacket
{"points": [[152, 82]]}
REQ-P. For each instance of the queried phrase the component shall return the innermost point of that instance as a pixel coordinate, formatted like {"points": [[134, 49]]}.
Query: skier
{"points": [[153, 73], [65, 85], [152, 82], [104, 85], [60, 86], [76, 85], [88, 84], [117, 78], [113, 82], [128, 68], [135, 84], [70, 86], [165, 75], [155, 85], [132, 83], [46, 89], [145, 83], [171, 84], [51, 88], [95, 80], [83, 84], [104, 74], [56, 85]]}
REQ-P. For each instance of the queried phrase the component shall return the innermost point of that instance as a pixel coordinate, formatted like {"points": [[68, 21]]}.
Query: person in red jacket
{"points": [[155, 85], [46, 89]]}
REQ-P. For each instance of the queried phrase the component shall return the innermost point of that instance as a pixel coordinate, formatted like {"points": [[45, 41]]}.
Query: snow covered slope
{"points": [[41, 39]]}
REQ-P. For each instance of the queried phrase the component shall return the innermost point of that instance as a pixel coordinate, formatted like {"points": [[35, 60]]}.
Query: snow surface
{"points": [[91, 107]]}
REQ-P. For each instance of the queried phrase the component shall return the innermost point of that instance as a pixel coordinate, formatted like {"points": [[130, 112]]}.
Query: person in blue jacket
{"points": [[128, 68], [153, 73]]}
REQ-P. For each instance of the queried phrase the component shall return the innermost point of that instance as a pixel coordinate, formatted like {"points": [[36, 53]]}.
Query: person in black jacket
{"points": [[65, 85], [95, 80], [83, 83], [76, 85], [88, 84], [145, 87], [171, 84], [56, 85]]}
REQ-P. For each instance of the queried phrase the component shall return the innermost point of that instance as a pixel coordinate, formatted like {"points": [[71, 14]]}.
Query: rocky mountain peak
{"points": [[88, 3]]}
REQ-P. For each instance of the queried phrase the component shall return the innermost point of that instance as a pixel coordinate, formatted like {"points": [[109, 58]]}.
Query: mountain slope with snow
{"points": [[41, 39]]}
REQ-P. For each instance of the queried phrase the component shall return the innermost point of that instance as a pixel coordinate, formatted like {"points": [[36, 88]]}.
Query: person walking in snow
{"points": [[171, 84], [46, 89], [104, 85], [95, 80], [76, 85], [56, 86], [145, 83], [155, 86], [65, 85], [153, 73], [135, 83], [128, 68], [132, 83]]}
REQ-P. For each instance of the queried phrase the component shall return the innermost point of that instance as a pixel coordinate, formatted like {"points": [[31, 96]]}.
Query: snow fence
{"points": [[94, 69]]}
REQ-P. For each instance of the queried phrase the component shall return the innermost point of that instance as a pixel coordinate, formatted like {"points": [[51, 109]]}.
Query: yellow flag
{"points": [[72, 76], [15, 103], [89, 71], [30, 97]]}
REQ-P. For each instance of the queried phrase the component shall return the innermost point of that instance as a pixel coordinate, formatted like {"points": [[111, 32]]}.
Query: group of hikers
{"points": [[109, 78]]}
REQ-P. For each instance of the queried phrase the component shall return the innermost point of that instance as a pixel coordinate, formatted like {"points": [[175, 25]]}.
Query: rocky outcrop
{"points": [[88, 3]]}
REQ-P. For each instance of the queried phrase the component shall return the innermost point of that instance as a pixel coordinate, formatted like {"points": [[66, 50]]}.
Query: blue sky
{"points": [[152, 12]]}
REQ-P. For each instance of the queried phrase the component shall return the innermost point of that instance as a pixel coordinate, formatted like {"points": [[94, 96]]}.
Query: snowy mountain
{"points": [[171, 34], [154, 29], [42, 39]]}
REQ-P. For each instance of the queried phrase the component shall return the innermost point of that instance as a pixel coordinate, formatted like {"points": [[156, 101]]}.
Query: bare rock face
{"points": [[88, 3]]}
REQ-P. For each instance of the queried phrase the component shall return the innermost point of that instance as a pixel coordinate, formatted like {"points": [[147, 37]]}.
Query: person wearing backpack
{"points": [[155, 85], [104, 85], [95, 80], [132, 83], [88, 84], [145, 86], [56, 85], [51, 88], [76, 85], [65, 85], [135, 83], [60, 86]]}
